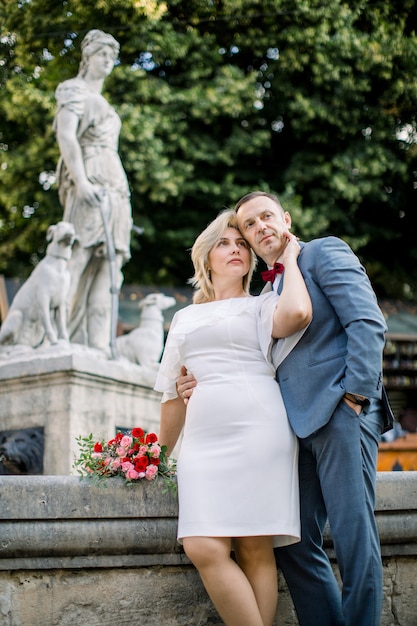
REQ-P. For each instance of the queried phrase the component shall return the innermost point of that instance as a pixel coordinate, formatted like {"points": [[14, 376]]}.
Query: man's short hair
{"points": [[257, 194]]}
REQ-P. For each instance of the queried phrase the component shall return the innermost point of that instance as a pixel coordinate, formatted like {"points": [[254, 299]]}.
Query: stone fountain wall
{"points": [[71, 553]]}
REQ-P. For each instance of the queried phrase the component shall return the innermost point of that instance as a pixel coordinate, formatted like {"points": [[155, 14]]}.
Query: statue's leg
{"points": [[82, 268], [99, 307]]}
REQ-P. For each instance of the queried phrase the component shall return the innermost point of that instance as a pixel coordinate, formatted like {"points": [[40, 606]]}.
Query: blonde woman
{"points": [[237, 448]]}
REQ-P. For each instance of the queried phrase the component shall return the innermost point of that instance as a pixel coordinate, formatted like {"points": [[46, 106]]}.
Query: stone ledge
{"points": [[71, 553], [113, 499], [66, 522]]}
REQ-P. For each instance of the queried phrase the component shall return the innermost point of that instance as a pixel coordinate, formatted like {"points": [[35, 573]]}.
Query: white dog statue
{"points": [[144, 344], [39, 307]]}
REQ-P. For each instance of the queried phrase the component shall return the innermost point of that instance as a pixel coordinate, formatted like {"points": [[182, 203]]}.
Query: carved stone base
{"points": [[74, 391]]}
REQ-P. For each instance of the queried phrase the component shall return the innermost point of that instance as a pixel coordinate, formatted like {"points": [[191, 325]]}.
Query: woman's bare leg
{"points": [[255, 556], [225, 582]]}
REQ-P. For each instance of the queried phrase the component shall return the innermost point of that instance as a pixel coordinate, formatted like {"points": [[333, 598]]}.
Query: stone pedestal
{"points": [[70, 391]]}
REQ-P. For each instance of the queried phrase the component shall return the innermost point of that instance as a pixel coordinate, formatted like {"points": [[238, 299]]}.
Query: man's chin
{"points": [[269, 251]]}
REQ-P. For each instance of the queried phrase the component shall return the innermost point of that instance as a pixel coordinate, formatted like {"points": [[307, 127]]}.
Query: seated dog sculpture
{"points": [[144, 344], [39, 307]]}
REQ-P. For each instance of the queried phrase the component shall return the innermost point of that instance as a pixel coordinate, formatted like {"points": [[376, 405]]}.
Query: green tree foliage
{"points": [[313, 100]]}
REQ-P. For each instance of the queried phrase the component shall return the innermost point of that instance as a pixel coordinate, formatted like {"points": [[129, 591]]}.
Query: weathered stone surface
{"points": [[75, 554], [72, 391]]}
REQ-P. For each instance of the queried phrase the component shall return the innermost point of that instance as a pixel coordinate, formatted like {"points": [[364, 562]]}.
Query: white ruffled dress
{"points": [[238, 461]]}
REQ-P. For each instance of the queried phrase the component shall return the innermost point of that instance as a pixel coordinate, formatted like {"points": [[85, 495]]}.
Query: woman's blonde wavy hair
{"points": [[200, 251]]}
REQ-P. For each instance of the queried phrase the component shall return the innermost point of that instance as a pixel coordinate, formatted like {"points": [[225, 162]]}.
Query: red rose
{"points": [[151, 438], [116, 440], [141, 463], [155, 461], [137, 433], [98, 447]]}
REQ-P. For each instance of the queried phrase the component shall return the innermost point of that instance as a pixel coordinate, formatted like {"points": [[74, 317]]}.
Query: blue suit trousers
{"points": [[337, 482]]}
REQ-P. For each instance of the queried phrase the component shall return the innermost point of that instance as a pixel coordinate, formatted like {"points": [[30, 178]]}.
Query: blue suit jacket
{"points": [[342, 348]]}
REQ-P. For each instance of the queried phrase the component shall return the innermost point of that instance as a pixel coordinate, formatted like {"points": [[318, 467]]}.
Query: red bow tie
{"points": [[269, 275]]}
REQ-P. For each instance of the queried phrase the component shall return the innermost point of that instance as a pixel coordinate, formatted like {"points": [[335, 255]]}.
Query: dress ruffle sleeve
{"points": [[196, 316], [183, 323], [274, 350], [170, 366]]}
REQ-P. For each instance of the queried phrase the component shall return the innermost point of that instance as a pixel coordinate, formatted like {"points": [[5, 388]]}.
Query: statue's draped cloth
{"points": [[98, 135]]}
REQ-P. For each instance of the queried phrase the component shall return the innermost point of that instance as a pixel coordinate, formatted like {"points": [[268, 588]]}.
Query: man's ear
{"points": [[287, 219]]}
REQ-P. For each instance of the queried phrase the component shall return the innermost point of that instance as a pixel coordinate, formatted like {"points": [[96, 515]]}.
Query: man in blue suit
{"points": [[332, 388]]}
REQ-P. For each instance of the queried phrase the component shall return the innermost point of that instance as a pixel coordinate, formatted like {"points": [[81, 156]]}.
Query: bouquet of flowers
{"points": [[134, 455]]}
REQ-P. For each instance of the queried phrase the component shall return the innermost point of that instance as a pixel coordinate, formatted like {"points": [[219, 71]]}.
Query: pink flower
{"points": [[151, 472], [121, 451], [126, 466], [132, 474], [143, 450], [96, 455], [108, 461], [126, 441], [116, 464], [155, 451]]}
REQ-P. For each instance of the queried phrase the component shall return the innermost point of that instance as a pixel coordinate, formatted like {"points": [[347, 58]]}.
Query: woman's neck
{"points": [[223, 292]]}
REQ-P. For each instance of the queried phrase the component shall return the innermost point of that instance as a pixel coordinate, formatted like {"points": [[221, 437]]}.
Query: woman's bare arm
{"points": [[171, 422], [293, 311]]}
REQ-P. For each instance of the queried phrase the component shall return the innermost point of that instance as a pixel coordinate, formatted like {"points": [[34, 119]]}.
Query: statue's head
{"points": [[94, 41]]}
